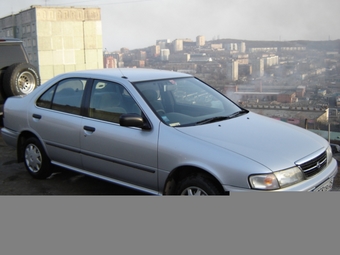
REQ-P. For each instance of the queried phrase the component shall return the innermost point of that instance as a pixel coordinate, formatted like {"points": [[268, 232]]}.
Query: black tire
{"points": [[197, 185], [35, 159], [20, 79], [2, 92]]}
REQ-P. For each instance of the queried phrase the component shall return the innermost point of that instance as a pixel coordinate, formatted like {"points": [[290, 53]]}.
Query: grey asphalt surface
{"points": [[15, 180]]}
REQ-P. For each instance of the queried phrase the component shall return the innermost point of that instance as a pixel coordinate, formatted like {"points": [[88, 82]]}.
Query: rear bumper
{"points": [[10, 137]]}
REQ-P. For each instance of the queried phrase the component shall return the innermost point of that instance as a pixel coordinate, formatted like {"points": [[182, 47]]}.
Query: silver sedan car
{"points": [[161, 132]]}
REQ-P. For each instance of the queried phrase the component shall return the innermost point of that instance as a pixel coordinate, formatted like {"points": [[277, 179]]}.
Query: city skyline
{"points": [[139, 23]]}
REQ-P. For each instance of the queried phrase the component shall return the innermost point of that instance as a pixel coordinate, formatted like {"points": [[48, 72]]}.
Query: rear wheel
{"points": [[197, 185], [20, 79], [36, 161]]}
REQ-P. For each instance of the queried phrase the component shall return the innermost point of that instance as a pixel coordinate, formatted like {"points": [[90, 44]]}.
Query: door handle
{"points": [[90, 129], [36, 116]]}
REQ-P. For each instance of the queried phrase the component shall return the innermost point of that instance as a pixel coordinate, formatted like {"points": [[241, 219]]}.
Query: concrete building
{"points": [[165, 54], [200, 40], [179, 58], [231, 46], [155, 51], [258, 67], [242, 47], [300, 91], [58, 39], [286, 97], [244, 70], [177, 45], [110, 61], [163, 43], [140, 55], [216, 46], [232, 70]]}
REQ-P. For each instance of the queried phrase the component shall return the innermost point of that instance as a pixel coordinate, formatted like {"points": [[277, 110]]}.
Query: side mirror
{"points": [[133, 120]]}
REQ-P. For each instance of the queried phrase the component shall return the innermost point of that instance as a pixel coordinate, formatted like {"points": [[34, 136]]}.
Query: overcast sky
{"points": [[139, 23]]}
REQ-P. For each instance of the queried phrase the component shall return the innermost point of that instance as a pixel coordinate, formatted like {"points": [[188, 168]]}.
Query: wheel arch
{"points": [[21, 142], [184, 171]]}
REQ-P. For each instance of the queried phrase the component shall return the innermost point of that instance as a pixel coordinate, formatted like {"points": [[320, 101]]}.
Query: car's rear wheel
{"points": [[20, 79], [197, 185], [36, 161]]}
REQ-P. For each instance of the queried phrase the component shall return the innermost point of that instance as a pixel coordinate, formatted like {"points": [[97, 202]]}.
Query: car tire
{"points": [[20, 79], [197, 185], [35, 159]]}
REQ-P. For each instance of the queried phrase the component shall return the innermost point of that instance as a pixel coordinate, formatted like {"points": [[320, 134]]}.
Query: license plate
{"points": [[326, 186]]}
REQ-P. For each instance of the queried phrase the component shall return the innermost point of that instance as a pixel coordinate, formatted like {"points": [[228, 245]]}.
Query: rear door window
{"points": [[66, 96]]}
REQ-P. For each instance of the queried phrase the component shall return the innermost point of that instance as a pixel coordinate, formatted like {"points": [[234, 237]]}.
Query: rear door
{"points": [[56, 118]]}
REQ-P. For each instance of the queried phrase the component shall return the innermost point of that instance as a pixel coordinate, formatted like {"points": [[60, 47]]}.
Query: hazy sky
{"points": [[139, 23]]}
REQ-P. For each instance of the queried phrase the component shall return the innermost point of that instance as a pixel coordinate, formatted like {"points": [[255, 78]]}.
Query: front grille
{"points": [[314, 166]]}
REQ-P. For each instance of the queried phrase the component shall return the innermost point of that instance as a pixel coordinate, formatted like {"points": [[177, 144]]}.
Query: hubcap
{"points": [[26, 82], [194, 191], [33, 158]]}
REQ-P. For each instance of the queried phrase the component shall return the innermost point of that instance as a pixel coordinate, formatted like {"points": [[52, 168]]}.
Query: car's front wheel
{"points": [[36, 161], [197, 185]]}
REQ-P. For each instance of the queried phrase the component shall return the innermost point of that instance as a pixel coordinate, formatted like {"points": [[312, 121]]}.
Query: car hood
{"points": [[272, 143]]}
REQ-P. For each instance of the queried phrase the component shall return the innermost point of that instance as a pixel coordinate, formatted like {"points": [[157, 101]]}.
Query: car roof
{"points": [[131, 74]]}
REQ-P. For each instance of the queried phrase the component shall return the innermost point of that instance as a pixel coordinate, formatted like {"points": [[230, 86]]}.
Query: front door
{"points": [[110, 150]]}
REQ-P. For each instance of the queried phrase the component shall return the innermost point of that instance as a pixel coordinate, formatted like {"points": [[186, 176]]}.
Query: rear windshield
{"points": [[10, 54]]}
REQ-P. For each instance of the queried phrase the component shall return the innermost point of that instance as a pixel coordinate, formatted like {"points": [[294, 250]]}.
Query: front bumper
{"points": [[307, 185]]}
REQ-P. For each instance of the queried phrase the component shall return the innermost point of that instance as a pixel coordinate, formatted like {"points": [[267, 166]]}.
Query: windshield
{"points": [[187, 101]]}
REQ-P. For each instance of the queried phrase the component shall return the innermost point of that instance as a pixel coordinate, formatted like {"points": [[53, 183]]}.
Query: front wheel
{"points": [[36, 161], [197, 185]]}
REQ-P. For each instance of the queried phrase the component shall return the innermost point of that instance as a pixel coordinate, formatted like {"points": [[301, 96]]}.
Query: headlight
{"points": [[276, 180], [329, 154]]}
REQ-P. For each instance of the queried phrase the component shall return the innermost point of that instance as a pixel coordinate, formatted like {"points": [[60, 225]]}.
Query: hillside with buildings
{"points": [[295, 81]]}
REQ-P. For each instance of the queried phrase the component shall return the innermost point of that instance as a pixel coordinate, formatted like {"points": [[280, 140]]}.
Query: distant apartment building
{"points": [[271, 60], [292, 48], [155, 51], [110, 62], [200, 40], [165, 54], [258, 67], [232, 70], [231, 46], [216, 46], [245, 70], [300, 91], [286, 97], [338, 101], [180, 57], [242, 47], [243, 59], [200, 57], [138, 63], [163, 43], [58, 39], [177, 45], [140, 55], [263, 49]]}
